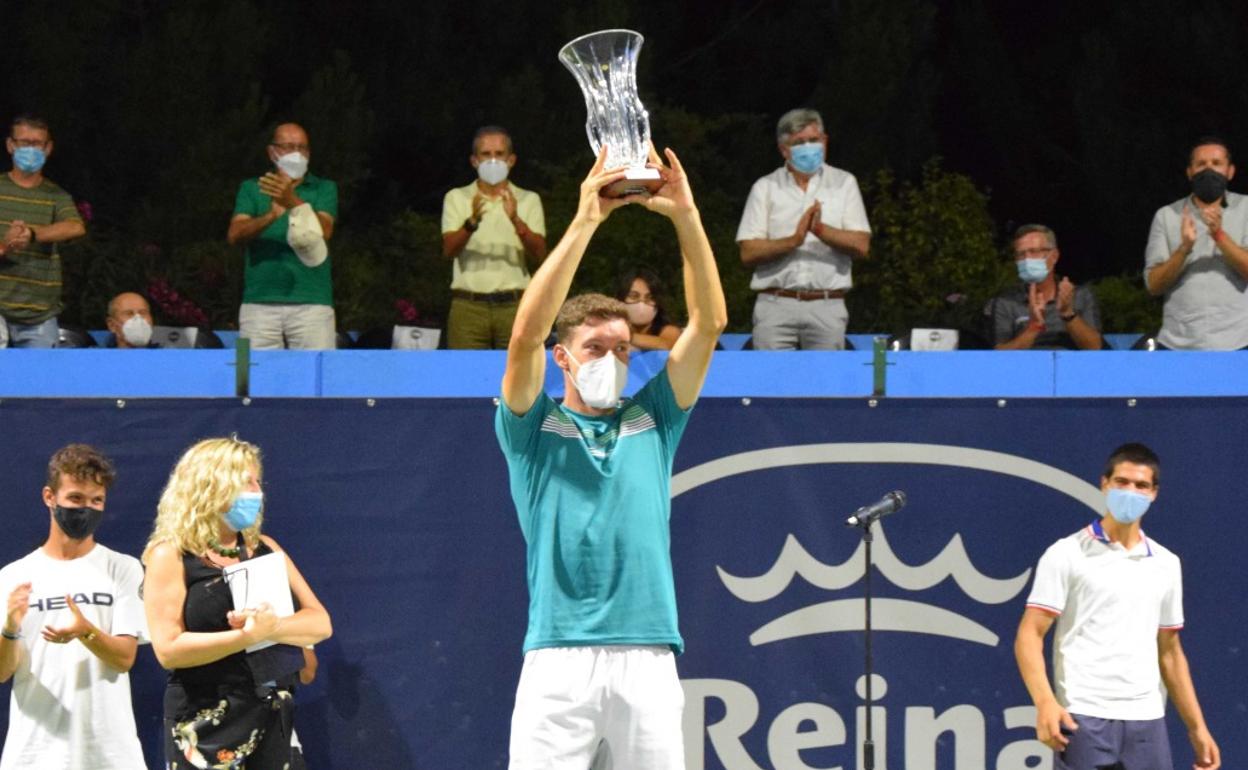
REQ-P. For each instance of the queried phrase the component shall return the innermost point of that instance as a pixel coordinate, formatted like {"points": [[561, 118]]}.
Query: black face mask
{"points": [[77, 523], [1209, 186]]}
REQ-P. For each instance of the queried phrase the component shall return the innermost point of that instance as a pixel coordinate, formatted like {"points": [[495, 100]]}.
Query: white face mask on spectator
{"points": [[492, 171], [640, 313], [293, 164], [137, 331]]}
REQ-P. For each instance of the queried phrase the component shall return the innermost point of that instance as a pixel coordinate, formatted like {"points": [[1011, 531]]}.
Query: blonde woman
{"points": [[224, 708]]}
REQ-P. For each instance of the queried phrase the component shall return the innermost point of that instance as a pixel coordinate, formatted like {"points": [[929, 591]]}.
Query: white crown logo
{"points": [[887, 614]]}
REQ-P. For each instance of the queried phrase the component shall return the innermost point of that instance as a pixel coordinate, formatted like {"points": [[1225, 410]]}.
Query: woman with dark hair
{"points": [[640, 291]]}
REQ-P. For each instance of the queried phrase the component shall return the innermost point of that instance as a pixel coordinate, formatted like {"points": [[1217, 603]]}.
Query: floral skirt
{"points": [[221, 728]]}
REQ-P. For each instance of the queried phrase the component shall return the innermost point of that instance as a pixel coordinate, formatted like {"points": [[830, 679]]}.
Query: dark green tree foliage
{"points": [[933, 259], [1074, 114]]}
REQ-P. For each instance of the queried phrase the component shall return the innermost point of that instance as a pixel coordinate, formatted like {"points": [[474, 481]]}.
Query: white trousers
{"points": [[605, 707], [297, 327]]}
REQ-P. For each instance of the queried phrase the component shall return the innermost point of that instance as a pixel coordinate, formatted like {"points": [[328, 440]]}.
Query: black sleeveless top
{"points": [[208, 600]]}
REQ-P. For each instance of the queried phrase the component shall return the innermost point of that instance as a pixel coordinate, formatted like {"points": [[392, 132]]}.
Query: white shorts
{"points": [[598, 707]]}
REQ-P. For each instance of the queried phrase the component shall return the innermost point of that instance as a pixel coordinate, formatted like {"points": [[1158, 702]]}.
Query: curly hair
{"points": [[201, 488], [81, 462]]}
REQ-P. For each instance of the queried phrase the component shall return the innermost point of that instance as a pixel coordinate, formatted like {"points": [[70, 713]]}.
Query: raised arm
{"points": [[708, 313], [526, 353]]}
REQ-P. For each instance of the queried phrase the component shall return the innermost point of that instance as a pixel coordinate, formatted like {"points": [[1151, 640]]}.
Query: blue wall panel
{"points": [[398, 514]]}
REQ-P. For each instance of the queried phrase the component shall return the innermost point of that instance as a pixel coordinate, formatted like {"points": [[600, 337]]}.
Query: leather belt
{"points": [[804, 295], [498, 296]]}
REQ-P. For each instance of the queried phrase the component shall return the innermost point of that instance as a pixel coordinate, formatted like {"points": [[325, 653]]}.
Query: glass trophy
{"points": [[605, 67]]}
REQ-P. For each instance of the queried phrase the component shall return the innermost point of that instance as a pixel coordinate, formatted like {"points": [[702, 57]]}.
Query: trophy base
{"points": [[638, 181]]}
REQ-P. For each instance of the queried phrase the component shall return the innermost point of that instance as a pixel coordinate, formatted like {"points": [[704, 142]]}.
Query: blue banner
{"points": [[397, 512]]}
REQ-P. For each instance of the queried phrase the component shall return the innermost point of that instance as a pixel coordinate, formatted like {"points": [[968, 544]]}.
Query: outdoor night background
{"points": [[1076, 115]]}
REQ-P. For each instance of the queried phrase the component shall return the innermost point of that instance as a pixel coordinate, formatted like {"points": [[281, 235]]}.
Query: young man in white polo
{"points": [[1116, 598], [591, 480]]}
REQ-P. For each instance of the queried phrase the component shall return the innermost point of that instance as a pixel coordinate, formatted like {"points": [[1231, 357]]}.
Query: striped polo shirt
{"points": [[30, 278], [593, 495]]}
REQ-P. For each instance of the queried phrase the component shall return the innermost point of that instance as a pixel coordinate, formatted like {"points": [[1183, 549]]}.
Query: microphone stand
{"points": [[868, 743]]}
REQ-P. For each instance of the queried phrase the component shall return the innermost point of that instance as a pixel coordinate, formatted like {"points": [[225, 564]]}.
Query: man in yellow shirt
{"points": [[496, 234]]}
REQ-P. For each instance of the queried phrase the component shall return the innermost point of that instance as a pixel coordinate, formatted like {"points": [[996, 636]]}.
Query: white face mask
{"points": [[137, 331], [292, 164], [600, 381], [640, 314], [492, 171]]}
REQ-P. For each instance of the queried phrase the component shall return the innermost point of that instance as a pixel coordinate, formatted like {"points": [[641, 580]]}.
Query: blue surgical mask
{"points": [[29, 159], [1126, 505], [1032, 269], [806, 158], [243, 513]]}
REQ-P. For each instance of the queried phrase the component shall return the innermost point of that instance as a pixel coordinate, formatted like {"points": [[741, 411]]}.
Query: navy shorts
{"points": [[1120, 744]]}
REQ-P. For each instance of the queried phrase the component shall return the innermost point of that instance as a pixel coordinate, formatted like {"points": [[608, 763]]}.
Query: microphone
{"points": [[889, 503]]}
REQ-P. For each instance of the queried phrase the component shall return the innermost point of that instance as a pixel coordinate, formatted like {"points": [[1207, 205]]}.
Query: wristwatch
{"points": [[89, 635], [1069, 318], [470, 225]]}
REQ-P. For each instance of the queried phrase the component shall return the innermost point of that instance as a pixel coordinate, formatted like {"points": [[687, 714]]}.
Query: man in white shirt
{"points": [[804, 225], [71, 631], [1116, 598]]}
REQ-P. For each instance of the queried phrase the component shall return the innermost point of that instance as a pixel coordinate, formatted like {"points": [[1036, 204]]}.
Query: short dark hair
{"points": [[583, 307], [82, 463], [30, 120], [1137, 454], [1208, 139], [491, 131]]}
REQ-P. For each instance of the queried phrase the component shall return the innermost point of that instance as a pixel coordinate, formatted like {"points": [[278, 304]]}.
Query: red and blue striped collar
{"points": [[1098, 532]]}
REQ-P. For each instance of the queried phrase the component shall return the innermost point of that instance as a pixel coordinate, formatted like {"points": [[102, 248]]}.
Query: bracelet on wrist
{"points": [[11, 635], [470, 225], [1218, 234], [90, 635], [1069, 318]]}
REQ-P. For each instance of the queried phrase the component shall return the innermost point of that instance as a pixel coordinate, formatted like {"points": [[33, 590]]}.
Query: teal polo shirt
{"points": [[593, 495], [272, 271]]}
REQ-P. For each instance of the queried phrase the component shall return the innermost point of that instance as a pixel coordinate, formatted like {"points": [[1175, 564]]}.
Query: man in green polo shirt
{"points": [[35, 215], [285, 217]]}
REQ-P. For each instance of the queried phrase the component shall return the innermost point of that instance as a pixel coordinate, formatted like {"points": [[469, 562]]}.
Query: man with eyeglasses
{"points": [[285, 218], [35, 216], [804, 225], [1042, 312]]}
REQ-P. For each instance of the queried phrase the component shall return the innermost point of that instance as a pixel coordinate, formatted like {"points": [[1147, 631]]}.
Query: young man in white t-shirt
{"points": [[71, 629], [1117, 599]]}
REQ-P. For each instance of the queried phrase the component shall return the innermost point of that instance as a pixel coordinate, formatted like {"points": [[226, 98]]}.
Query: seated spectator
{"points": [[130, 320], [1043, 312], [641, 291]]}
